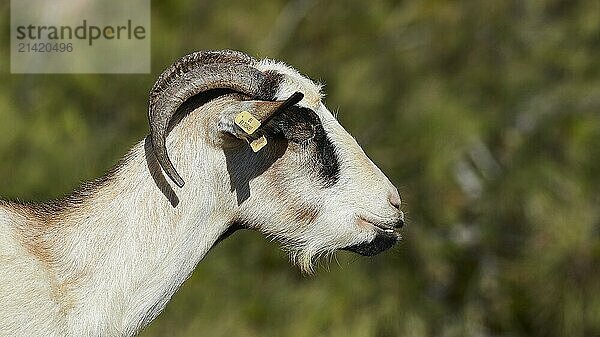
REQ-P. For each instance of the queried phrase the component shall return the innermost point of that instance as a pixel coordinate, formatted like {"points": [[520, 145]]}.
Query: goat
{"points": [[105, 260]]}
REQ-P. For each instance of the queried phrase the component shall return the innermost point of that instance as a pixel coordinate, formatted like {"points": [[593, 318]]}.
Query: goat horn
{"points": [[192, 75]]}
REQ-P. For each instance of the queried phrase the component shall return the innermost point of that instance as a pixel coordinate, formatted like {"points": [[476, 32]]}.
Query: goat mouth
{"points": [[392, 229], [384, 239], [385, 228]]}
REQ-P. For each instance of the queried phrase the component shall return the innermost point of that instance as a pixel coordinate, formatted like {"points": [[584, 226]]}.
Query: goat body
{"points": [[106, 260]]}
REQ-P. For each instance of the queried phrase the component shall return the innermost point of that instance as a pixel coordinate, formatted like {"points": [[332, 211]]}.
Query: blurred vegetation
{"points": [[485, 113]]}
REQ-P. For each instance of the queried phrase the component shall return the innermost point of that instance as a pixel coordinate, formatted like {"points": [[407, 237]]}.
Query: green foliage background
{"points": [[484, 113]]}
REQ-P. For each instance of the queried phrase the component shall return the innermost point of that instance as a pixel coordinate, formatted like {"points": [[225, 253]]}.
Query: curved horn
{"points": [[197, 59], [188, 77]]}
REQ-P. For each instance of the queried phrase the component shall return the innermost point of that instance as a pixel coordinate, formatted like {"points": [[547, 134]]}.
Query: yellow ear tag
{"points": [[247, 122], [258, 144]]}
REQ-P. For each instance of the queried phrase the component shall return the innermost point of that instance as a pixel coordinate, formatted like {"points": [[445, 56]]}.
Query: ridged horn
{"points": [[189, 76]]}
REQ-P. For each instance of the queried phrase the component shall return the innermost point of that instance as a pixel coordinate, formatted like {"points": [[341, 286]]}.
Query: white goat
{"points": [[106, 260]]}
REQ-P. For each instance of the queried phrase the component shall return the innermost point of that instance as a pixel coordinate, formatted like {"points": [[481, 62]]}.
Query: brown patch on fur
{"points": [[40, 221], [37, 231], [33, 227], [39, 226], [61, 292], [306, 214]]}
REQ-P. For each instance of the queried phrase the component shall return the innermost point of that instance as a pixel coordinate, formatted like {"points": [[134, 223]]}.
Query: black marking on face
{"points": [[303, 126], [381, 242], [327, 159]]}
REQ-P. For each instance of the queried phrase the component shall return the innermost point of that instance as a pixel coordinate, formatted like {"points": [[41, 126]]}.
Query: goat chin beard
{"points": [[302, 253], [306, 257]]}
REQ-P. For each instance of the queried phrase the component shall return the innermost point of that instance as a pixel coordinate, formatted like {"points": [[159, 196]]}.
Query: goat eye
{"points": [[301, 133], [297, 125]]}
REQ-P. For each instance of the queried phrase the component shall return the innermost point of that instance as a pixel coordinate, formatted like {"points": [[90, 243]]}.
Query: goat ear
{"points": [[253, 115]]}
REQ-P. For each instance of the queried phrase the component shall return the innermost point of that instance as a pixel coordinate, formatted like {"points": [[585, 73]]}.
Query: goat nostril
{"points": [[395, 201]]}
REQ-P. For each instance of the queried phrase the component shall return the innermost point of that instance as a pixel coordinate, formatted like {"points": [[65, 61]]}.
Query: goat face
{"points": [[311, 187]]}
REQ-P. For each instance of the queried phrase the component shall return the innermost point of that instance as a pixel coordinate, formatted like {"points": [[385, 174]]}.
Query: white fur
{"points": [[107, 266]]}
